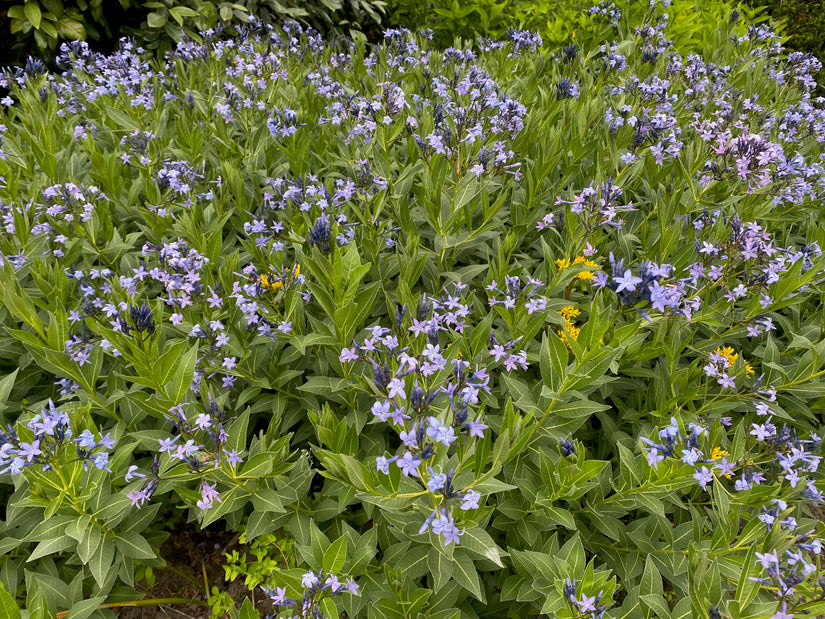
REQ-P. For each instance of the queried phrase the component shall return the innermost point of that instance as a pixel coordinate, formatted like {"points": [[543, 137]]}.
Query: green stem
{"points": [[802, 380], [152, 602]]}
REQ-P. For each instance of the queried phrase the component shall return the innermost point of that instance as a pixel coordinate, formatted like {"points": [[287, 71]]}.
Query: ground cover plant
{"points": [[484, 332]]}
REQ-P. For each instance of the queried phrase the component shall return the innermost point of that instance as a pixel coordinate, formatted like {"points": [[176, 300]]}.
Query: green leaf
{"points": [[77, 529], [560, 516], [268, 500], [335, 556], [651, 580], [491, 486], [328, 608], [179, 12], [478, 540], [465, 574], [579, 408], [54, 527], [248, 611], [168, 362], [480, 336], [8, 608], [134, 546], [156, 20], [656, 603], [182, 378], [71, 29], [441, 567], [51, 588], [121, 118], [92, 538], [6, 384], [32, 11], [258, 465], [747, 589], [85, 608], [553, 360], [258, 524], [50, 546], [102, 558]]}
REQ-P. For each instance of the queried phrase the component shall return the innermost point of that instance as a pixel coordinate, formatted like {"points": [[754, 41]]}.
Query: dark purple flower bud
{"points": [[417, 398], [438, 114], [380, 375], [34, 66], [320, 234], [448, 490], [142, 318], [569, 590], [150, 489], [461, 415], [424, 307], [566, 89]]}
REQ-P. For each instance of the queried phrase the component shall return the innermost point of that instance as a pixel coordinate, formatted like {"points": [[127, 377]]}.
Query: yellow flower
{"points": [[585, 276], [270, 282], [717, 453], [749, 369], [569, 312], [572, 329], [563, 263], [728, 353], [296, 271]]}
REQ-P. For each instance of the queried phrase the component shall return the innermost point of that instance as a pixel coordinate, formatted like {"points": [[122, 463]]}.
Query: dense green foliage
{"points": [[803, 21], [39, 26], [502, 331]]}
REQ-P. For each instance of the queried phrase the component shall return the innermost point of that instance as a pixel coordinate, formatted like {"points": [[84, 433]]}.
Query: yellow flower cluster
{"points": [[569, 313], [564, 263], [728, 353], [273, 282], [717, 453]]}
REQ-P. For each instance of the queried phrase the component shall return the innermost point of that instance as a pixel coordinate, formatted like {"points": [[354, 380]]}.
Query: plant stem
{"points": [[151, 602]]}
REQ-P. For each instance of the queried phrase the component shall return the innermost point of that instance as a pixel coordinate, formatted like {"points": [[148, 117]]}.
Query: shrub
{"points": [[691, 27], [160, 24], [803, 21], [481, 332]]}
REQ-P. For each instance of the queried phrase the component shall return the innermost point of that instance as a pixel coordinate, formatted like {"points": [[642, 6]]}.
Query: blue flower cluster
{"points": [[646, 287], [286, 201], [785, 572], [588, 607], [462, 105], [777, 455], [189, 446], [427, 398], [597, 207], [51, 437], [315, 587]]}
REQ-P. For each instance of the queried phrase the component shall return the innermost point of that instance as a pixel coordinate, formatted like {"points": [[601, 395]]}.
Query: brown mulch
{"points": [[188, 553]]}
